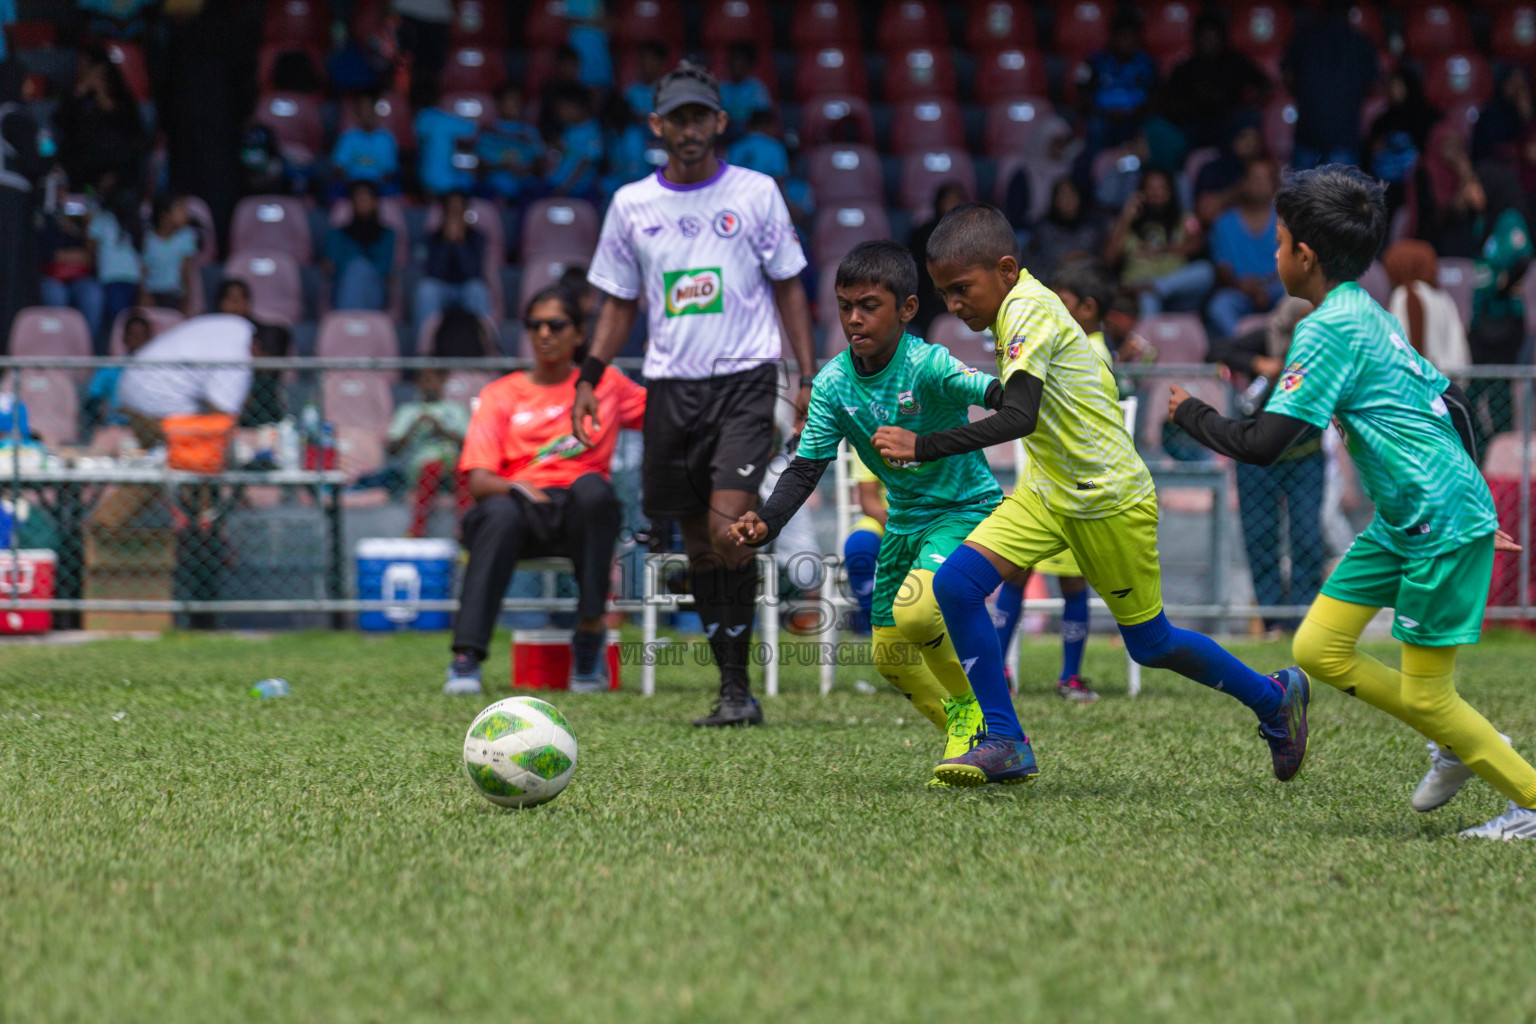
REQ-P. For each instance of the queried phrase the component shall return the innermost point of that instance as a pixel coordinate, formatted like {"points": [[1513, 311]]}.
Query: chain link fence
{"points": [[300, 509]]}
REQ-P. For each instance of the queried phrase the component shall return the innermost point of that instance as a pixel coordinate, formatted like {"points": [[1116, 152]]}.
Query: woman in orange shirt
{"points": [[540, 492]]}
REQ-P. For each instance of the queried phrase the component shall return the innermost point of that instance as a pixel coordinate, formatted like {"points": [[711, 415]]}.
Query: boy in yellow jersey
{"points": [[1428, 553], [1086, 491]]}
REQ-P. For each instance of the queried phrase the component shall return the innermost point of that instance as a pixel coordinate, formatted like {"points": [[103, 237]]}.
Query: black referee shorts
{"points": [[714, 434]]}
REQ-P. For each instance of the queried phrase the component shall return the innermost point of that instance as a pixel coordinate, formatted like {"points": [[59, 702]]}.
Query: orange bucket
{"points": [[197, 444]]}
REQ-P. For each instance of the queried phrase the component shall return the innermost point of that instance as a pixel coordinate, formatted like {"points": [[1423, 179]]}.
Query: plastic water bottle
{"points": [[1251, 401], [270, 688], [288, 453]]}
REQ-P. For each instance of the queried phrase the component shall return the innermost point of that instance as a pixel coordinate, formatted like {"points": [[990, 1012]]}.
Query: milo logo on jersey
{"points": [[694, 292], [560, 448]]}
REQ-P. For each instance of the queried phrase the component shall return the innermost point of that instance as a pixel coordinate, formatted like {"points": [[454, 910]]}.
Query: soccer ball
{"points": [[520, 752]]}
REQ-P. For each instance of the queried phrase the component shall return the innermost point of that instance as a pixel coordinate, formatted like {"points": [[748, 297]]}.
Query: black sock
{"points": [[712, 595], [585, 648], [738, 611]]}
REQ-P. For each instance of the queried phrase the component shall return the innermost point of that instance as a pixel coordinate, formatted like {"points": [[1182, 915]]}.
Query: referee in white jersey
{"points": [[712, 249]]}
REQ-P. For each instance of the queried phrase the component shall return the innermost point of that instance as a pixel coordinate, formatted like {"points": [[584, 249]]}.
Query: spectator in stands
{"points": [[454, 273], [1048, 157], [564, 77], [576, 150], [1453, 213], [1218, 183], [1243, 249], [1070, 230], [360, 255], [587, 35], [1506, 127], [1395, 145], [1497, 335], [1420, 305], [742, 93], [510, 151], [21, 167], [1120, 84], [264, 404], [357, 65], [651, 59], [367, 151], [100, 404], [1330, 68], [948, 196], [68, 271], [102, 141], [625, 144], [540, 492], [1154, 244], [442, 137], [424, 436], [264, 171], [1290, 490], [424, 34], [762, 149], [169, 247], [116, 235], [1205, 91]]}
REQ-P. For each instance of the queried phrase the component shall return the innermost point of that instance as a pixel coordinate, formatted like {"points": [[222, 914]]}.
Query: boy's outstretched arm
{"points": [[1018, 411], [1260, 440], [796, 484]]}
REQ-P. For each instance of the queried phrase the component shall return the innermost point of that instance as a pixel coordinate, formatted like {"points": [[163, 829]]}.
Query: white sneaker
{"points": [[1447, 774], [1516, 823]]}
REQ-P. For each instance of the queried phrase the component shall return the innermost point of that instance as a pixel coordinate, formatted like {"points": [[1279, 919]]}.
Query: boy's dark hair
{"points": [[228, 285], [886, 264], [1086, 281], [1340, 212], [970, 235]]}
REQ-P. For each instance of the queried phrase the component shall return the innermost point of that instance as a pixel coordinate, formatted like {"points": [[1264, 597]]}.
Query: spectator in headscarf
{"points": [[1048, 157], [1419, 303]]}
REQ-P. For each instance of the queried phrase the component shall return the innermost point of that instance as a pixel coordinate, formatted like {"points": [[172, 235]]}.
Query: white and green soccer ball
{"points": [[520, 752]]}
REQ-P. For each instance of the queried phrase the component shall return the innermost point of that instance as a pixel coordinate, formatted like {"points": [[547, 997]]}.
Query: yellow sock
{"points": [[898, 660], [1423, 695], [1439, 712], [919, 619]]}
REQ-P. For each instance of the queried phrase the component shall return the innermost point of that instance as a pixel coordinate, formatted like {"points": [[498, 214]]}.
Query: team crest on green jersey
{"points": [[907, 404]]}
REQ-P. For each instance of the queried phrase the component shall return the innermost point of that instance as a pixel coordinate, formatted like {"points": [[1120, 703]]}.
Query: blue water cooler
{"points": [[404, 569]]}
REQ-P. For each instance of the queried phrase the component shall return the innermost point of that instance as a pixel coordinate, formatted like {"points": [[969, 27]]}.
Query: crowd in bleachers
{"points": [[412, 157]]}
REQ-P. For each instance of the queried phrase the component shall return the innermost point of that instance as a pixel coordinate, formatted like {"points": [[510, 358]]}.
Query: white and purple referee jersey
{"points": [[703, 255]]}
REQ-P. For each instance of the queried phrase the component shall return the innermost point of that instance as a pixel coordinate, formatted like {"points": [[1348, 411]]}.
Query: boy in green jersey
{"points": [[887, 376], [1428, 553]]}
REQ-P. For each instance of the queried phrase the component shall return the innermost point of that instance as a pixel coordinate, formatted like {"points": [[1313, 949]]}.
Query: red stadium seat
{"points": [[1178, 337], [908, 24], [295, 21], [836, 118], [53, 404], [1261, 30], [1456, 281], [546, 26], [356, 334], [202, 219], [359, 399], [537, 275], [159, 320], [471, 69], [1367, 19], [130, 61], [818, 23], [844, 171], [1010, 74], [272, 222], [273, 277], [841, 226], [295, 119], [737, 21], [560, 228], [1436, 28], [992, 25], [394, 115], [641, 21], [1458, 78], [1170, 31], [482, 23], [913, 74], [927, 124], [830, 71], [479, 107], [970, 347], [1280, 127], [1514, 33], [52, 331], [1012, 124], [1082, 27], [923, 173]]}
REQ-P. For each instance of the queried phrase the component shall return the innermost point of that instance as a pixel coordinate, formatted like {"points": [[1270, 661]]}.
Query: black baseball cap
{"points": [[688, 84]]}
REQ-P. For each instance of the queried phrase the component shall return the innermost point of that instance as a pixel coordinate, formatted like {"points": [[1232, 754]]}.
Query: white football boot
{"points": [[1447, 774], [1516, 823]]}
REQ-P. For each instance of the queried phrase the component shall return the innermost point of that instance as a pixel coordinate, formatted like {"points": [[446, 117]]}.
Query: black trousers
{"points": [[581, 523]]}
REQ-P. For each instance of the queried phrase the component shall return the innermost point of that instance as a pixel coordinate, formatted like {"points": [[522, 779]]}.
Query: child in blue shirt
{"points": [[641, 95], [168, 251], [742, 93], [511, 150], [441, 138], [367, 151], [578, 152]]}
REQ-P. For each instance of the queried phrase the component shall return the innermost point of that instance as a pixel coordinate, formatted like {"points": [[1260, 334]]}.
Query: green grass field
{"points": [[173, 850]]}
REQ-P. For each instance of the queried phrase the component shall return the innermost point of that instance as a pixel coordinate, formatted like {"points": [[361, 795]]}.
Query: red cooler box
{"points": [[31, 572], [541, 659]]}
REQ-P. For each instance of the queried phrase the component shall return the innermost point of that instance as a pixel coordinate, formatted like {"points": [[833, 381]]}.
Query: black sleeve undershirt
{"points": [[1260, 440], [1017, 414], [1461, 418], [797, 482]]}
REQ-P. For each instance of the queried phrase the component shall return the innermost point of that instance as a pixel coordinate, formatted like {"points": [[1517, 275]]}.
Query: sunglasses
{"points": [[555, 325]]}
